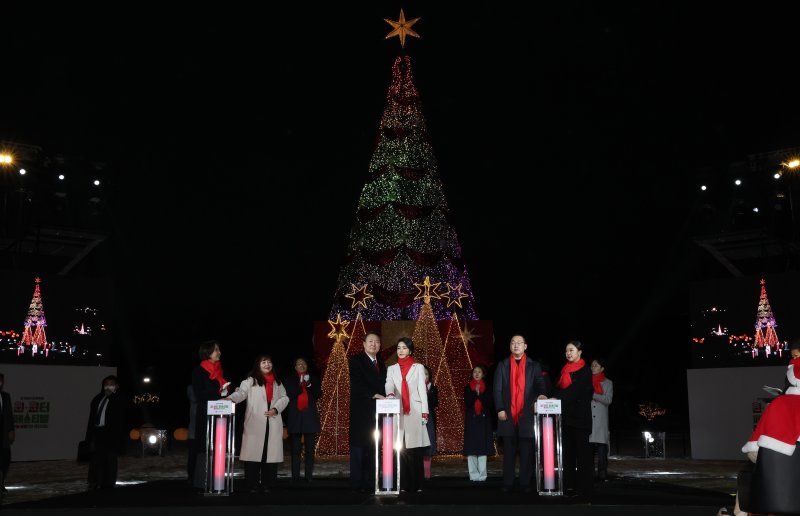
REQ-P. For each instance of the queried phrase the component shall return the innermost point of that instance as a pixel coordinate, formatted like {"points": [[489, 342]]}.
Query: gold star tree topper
{"points": [[359, 296], [427, 290], [401, 28]]}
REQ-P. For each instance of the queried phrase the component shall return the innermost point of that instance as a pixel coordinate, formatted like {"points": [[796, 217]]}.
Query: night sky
{"points": [[236, 144]]}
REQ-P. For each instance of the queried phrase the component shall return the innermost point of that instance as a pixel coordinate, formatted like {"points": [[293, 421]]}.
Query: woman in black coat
{"points": [[303, 390], [208, 384], [478, 442], [575, 390]]}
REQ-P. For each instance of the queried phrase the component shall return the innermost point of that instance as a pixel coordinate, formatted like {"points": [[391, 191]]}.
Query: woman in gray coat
{"points": [[601, 399], [262, 441]]}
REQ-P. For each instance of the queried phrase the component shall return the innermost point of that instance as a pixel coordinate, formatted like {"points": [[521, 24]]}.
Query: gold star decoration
{"points": [[338, 328], [467, 335], [359, 296], [427, 290], [454, 299], [401, 28]]}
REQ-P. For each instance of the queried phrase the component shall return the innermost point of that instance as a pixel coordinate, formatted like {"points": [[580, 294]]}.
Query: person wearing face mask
{"points": [[105, 433], [262, 440], [7, 434], [303, 390]]}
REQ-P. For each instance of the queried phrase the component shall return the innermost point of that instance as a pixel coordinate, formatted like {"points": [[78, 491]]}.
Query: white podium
{"points": [[219, 448], [387, 447], [549, 466]]}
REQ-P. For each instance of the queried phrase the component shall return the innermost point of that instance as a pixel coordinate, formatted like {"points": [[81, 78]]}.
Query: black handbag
{"points": [[84, 452]]}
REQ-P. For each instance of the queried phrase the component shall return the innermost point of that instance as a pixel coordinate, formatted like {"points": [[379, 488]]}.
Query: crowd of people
{"points": [[278, 406]]}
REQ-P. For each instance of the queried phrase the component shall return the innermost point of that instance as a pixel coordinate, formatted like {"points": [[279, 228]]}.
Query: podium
{"points": [[219, 448], [549, 466], [387, 447]]}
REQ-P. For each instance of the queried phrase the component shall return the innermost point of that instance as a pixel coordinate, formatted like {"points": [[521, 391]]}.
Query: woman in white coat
{"points": [[262, 441], [406, 380], [601, 399]]}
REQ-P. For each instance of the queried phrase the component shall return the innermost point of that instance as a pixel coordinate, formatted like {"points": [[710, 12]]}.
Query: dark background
{"points": [[233, 145]]}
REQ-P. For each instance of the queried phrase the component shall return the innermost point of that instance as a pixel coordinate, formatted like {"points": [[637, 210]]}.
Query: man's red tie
{"points": [[375, 363]]}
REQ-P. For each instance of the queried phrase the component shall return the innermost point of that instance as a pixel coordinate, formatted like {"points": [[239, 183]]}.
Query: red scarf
{"points": [[269, 381], [482, 385], [405, 364], [597, 379], [517, 387], [570, 367], [302, 399], [214, 371]]}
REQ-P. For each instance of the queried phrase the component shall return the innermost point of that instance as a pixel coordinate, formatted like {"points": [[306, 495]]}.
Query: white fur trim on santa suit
{"points": [[779, 427], [793, 379]]}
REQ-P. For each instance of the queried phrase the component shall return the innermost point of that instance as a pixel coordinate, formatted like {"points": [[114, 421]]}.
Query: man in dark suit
{"points": [[7, 434], [518, 383], [105, 433], [367, 384]]}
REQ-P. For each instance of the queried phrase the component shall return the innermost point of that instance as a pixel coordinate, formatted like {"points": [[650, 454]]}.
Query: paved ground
{"points": [[30, 481]]}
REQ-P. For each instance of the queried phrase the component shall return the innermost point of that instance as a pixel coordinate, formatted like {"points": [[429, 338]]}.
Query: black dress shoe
{"points": [[506, 489]]}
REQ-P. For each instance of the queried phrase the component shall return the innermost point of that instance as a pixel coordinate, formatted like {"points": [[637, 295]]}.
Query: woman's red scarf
{"points": [[570, 367], [597, 379], [269, 381], [214, 371], [517, 387], [405, 364], [302, 399], [478, 406]]}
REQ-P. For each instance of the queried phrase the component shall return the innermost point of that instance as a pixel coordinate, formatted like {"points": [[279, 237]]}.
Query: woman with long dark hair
{"points": [[262, 441]]}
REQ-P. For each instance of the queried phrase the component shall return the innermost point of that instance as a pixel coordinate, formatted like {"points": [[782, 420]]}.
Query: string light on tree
{"points": [[766, 336], [334, 405], [35, 323], [401, 231]]}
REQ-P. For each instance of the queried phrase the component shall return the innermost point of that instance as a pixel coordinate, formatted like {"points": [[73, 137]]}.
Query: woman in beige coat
{"points": [[406, 380], [262, 442]]}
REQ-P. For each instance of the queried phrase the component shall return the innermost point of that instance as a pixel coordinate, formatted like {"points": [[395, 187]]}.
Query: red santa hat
{"points": [[793, 372]]}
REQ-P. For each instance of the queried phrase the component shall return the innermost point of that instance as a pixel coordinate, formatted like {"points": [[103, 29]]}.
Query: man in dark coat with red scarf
{"points": [[518, 383]]}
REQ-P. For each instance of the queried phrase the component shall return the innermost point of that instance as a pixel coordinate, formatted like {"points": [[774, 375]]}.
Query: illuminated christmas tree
{"points": [[35, 323], [401, 231], [334, 405], [765, 322]]}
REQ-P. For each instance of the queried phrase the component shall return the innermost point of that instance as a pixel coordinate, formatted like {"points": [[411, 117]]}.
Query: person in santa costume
{"points": [[772, 448]]}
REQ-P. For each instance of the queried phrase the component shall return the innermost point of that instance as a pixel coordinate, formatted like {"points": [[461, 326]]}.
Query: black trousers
{"points": [[308, 440], [362, 467], [103, 462], [263, 473], [511, 445], [5, 461], [578, 463], [412, 469], [601, 450]]}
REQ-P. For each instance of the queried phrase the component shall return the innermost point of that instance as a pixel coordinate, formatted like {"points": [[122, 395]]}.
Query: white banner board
{"points": [[51, 407]]}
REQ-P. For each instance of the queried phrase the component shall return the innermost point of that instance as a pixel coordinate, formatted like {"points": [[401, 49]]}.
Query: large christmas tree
{"points": [[401, 232], [35, 322], [765, 322]]}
